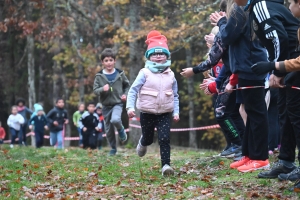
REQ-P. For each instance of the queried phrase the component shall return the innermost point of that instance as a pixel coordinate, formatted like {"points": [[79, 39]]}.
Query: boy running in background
{"points": [[24, 111], [89, 125], [57, 118], [112, 86], [76, 117], [2, 134], [40, 123], [101, 120], [15, 121]]}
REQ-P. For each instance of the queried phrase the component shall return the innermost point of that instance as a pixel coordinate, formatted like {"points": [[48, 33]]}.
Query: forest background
{"points": [[51, 49]]}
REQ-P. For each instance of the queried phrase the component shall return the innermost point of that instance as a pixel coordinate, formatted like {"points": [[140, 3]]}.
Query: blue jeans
{"points": [[14, 134], [56, 137], [80, 135]]}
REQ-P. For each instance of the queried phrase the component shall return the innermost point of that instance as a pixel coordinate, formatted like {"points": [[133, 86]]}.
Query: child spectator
{"points": [[24, 111], [90, 126], [112, 86], [155, 89], [2, 134], [57, 118], [40, 123], [15, 121], [101, 119], [76, 117]]}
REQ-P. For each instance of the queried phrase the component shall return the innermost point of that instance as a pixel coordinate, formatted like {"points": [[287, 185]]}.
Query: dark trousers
{"points": [[23, 130], [228, 116], [289, 116], [14, 135], [163, 124], [89, 139], [39, 138], [255, 140], [274, 130]]}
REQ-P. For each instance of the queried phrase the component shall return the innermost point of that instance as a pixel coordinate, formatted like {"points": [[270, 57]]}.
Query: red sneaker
{"points": [[240, 162], [253, 165]]}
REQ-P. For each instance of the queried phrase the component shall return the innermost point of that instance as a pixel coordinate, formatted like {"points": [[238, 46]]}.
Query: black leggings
{"points": [[163, 124]]}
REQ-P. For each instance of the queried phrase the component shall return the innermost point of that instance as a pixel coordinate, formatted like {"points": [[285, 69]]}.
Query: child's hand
{"points": [[229, 88], [187, 72], [106, 87], [30, 127], [176, 118], [75, 124], [46, 127], [55, 123], [130, 113], [123, 97], [84, 129], [97, 129], [66, 121]]}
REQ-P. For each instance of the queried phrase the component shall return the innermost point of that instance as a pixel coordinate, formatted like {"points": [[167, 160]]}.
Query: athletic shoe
{"points": [[140, 149], [239, 163], [292, 176], [112, 152], [167, 170], [11, 146], [122, 135], [233, 149], [276, 169], [253, 165], [238, 156], [227, 147]]}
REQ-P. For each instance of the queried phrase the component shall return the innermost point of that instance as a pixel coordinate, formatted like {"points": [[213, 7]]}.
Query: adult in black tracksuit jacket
{"points": [[243, 53], [277, 28], [90, 125]]}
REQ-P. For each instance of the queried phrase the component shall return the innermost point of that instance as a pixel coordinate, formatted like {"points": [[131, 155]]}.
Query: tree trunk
{"points": [[66, 96], [31, 69], [42, 85], [135, 59], [190, 85], [117, 24]]}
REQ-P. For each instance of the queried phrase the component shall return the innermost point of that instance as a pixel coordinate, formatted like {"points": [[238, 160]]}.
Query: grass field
{"points": [[28, 173]]}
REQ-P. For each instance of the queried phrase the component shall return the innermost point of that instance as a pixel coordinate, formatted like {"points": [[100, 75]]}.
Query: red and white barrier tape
{"points": [[184, 129], [48, 137]]}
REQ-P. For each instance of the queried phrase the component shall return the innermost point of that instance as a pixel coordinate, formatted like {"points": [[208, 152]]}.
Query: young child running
{"points": [[40, 123], [24, 111], [15, 121], [101, 120], [155, 89], [112, 85], [57, 118], [90, 126], [76, 117], [2, 134]]}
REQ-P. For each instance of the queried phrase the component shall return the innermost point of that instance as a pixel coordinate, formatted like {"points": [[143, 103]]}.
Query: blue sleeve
{"points": [[32, 120], [176, 97], [134, 89], [231, 30], [28, 110], [214, 55], [50, 117], [221, 77]]}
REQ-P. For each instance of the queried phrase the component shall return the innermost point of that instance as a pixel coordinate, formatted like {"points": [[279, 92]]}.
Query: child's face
{"points": [[91, 108], [99, 111], [158, 57], [294, 8], [108, 63], [60, 103], [40, 113], [14, 111], [81, 107], [20, 104]]}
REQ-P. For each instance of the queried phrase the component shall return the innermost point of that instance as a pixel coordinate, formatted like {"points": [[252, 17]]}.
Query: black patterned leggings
{"points": [[163, 124]]}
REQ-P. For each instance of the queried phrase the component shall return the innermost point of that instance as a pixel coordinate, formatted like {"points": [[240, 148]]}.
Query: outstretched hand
{"points": [[187, 72], [215, 17]]}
